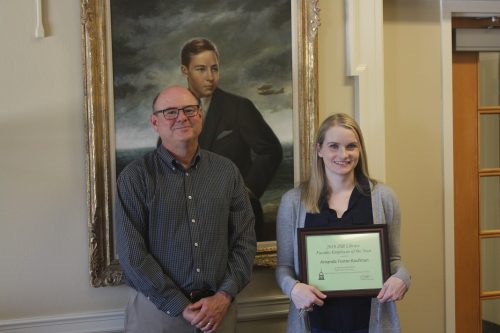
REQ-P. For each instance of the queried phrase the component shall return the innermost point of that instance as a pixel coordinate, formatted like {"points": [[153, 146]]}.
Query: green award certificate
{"points": [[344, 261]]}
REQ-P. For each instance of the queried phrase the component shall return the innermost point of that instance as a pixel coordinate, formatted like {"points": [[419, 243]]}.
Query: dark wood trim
{"points": [[465, 156], [475, 22]]}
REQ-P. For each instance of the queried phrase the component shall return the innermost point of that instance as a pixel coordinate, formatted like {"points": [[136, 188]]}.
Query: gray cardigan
{"points": [[292, 214]]}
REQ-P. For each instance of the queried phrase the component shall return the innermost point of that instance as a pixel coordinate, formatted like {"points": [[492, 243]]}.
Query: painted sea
{"points": [[282, 181]]}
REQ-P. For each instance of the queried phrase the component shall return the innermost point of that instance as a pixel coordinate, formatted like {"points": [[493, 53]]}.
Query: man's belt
{"points": [[196, 295]]}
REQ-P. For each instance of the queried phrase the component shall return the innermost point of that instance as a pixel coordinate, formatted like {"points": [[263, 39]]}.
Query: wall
{"points": [[414, 153], [336, 92], [43, 210], [42, 170]]}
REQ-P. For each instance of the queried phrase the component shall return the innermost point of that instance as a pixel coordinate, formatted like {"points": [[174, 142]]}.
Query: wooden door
{"points": [[476, 141]]}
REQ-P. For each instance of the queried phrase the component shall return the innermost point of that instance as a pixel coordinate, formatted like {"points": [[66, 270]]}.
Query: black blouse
{"points": [[343, 314]]}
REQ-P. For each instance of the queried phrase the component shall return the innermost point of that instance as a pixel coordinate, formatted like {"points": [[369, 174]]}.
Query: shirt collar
{"points": [[205, 104], [172, 163], [356, 195]]}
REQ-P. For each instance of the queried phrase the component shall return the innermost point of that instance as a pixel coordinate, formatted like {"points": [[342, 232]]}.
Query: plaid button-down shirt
{"points": [[180, 230]]}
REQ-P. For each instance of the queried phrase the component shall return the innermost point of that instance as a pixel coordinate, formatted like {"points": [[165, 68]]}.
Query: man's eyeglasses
{"points": [[173, 113]]}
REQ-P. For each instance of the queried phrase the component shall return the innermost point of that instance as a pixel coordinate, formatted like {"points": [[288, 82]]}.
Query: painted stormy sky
{"points": [[254, 40]]}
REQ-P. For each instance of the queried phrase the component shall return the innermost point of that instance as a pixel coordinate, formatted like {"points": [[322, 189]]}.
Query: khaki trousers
{"points": [[142, 316]]}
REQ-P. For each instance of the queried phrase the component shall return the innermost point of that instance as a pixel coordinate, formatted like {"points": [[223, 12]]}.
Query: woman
{"points": [[340, 193]]}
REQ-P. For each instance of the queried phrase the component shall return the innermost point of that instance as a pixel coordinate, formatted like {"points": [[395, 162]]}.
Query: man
{"points": [[233, 127], [185, 227]]}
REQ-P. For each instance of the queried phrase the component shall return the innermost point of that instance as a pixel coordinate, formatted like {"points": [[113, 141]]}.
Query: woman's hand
{"points": [[304, 296], [394, 289]]}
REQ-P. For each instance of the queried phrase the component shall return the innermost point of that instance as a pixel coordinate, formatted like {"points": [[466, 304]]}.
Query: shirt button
{"points": [[190, 197], [193, 220], [168, 312], [196, 244], [187, 174], [198, 270]]}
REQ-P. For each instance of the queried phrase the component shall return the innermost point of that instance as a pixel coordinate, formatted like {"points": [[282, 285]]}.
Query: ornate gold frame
{"points": [[104, 267]]}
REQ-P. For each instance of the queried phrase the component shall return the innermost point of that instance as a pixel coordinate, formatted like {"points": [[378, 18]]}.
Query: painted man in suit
{"points": [[233, 126]]}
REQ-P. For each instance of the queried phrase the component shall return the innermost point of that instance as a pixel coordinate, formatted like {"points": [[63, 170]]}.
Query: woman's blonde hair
{"points": [[316, 186]]}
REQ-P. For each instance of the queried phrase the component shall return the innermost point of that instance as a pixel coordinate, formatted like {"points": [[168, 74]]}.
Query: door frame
{"points": [[449, 9]]}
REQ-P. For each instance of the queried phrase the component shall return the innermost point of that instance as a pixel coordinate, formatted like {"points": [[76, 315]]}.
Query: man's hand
{"points": [[190, 312], [394, 289], [210, 311]]}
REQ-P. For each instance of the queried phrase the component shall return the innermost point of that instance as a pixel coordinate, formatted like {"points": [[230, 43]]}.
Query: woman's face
{"points": [[340, 151]]}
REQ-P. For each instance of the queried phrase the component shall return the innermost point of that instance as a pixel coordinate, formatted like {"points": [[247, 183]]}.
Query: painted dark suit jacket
{"points": [[234, 128]]}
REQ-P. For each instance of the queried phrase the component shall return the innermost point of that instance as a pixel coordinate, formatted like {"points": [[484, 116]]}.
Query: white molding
{"points": [[465, 7], [249, 309], [448, 9], [99, 322], [365, 63], [448, 175], [258, 308]]}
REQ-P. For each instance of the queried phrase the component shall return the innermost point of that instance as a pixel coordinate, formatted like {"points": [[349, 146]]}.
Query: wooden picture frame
{"points": [[345, 262], [95, 23]]}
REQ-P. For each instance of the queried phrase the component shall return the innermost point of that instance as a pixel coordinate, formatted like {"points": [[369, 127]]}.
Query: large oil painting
{"points": [[257, 66]]}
